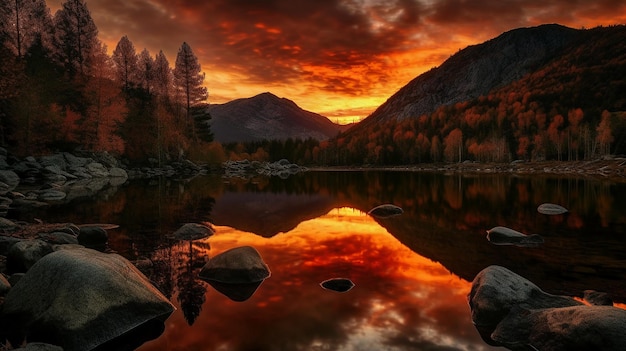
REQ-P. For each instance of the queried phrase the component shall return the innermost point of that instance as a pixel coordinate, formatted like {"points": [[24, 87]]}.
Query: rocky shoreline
{"points": [[606, 168]]}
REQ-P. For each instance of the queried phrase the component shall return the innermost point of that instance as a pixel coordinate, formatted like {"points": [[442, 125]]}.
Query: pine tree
{"points": [[188, 78], [162, 76], [146, 71], [125, 59], [75, 37]]}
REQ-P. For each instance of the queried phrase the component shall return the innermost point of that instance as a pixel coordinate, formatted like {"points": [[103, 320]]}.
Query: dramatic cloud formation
{"points": [[341, 58]]}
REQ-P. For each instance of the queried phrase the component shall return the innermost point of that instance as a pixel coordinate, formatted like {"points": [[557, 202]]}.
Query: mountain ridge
{"points": [[267, 117], [474, 71]]}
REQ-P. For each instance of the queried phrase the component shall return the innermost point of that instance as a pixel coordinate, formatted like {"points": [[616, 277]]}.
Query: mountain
{"points": [[542, 93], [476, 70], [266, 116]]}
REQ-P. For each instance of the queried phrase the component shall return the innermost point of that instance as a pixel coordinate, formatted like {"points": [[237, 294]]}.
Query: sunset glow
{"points": [[399, 296], [338, 58]]}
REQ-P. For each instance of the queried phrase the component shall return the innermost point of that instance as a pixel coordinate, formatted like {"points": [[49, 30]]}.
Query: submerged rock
{"points": [[241, 265], [193, 231], [337, 284], [80, 299], [551, 209], [385, 211], [508, 236]]}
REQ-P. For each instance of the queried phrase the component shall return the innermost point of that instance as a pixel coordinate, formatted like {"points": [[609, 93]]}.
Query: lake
{"points": [[412, 273]]}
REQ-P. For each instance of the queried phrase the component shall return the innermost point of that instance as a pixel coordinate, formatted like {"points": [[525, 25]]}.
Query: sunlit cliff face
{"points": [[400, 300], [338, 58]]}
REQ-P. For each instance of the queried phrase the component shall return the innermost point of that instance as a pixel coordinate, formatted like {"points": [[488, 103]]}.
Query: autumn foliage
{"points": [[60, 90]]}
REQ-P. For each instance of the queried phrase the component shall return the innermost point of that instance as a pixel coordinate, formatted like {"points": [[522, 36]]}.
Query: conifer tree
{"points": [[145, 64], [125, 59], [188, 78], [162, 76], [75, 37]]}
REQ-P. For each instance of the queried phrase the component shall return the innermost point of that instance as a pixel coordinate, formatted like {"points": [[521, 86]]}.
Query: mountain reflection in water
{"points": [[401, 301], [412, 272]]}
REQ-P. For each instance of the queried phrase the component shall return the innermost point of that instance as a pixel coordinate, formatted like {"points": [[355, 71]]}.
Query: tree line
{"points": [[60, 89]]}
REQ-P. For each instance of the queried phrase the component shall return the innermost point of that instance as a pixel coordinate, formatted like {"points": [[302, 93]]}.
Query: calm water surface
{"points": [[412, 272]]}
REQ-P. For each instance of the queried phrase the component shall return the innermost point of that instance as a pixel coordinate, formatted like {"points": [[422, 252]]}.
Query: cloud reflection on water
{"points": [[401, 301]]}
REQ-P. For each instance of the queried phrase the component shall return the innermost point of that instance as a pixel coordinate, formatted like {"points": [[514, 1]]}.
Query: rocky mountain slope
{"points": [[267, 116], [476, 70]]}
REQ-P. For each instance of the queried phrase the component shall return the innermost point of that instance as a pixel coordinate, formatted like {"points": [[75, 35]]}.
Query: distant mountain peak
{"points": [[267, 116]]}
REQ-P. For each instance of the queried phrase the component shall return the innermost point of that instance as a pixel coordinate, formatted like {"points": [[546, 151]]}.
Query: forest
{"points": [[60, 90]]}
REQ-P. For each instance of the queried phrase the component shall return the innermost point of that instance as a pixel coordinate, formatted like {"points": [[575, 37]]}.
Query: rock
{"points": [[7, 224], [58, 238], [80, 299], [496, 290], [551, 209], [241, 265], [4, 188], [10, 178], [118, 172], [56, 161], [385, 211], [193, 231], [39, 346], [93, 237], [337, 284], [24, 254], [74, 161], [597, 298], [508, 236], [50, 195], [97, 170], [563, 329], [5, 286], [6, 242]]}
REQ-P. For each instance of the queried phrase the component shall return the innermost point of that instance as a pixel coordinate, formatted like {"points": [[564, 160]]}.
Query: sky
{"points": [[338, 58]]}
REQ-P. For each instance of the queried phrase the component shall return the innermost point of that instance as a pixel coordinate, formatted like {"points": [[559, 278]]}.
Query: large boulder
{"points": [[510, 311], [496, 290], [80, 299], [241, 265]]}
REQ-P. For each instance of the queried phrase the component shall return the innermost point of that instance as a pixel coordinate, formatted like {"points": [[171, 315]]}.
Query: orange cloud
{"points": [[323, 54]]}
